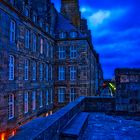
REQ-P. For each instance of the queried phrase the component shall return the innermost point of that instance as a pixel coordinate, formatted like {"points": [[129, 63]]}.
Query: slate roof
{"points": [[64, 25]]}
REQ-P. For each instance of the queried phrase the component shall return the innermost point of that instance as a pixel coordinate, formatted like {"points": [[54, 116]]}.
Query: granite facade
{"points": [[128, 90], [38, 31]]}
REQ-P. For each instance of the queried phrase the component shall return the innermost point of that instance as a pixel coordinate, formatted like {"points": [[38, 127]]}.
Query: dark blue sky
{"points": [[115, 29]]}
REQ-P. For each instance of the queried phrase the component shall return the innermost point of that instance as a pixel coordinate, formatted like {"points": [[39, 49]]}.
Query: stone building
{"points": [[46, 60], [128, 90]]}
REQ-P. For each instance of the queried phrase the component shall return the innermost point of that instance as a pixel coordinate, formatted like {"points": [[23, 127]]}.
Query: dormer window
{"points": [[26, 12], [62, 35], [73, 34], [34, 18]]}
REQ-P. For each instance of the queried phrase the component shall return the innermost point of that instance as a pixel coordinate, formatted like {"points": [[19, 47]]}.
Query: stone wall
{"points": [[50, 127]]}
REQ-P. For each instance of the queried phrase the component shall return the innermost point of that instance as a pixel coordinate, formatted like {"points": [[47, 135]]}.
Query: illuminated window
{"points": [[72, 73], [34, 71], [27, 39], [26, 102], [11, 67], [73, 52], [61, 73], [12, 31], [41, 99], [33, 100], [61, 95], [11, 106], [62, 52], [26, 69], [47, 97], [72, 94]]}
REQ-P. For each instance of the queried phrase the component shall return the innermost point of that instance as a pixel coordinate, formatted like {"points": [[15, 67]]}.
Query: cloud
{"points": [[115, 27], [99, 17]]}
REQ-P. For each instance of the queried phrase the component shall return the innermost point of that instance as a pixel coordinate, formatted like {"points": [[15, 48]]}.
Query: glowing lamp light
{"points": [[2, 136]]}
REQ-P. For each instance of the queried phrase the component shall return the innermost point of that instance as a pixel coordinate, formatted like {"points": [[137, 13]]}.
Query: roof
{"points": [[64, 25]]}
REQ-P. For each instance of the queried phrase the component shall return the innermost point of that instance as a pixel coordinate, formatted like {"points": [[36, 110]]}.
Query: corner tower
{"points": [[70, 10]]}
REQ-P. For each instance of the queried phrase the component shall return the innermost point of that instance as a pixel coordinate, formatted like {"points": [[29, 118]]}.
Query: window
{"points": [[47, 50], [11, 106], [47, 28], [34, 18], [73, 34], [33, 100], [72, 94], [47, 97], [11, 67], [27, 39], [41, 99], [62, 52], [72, 73], [61, 95], [12, 31], [34, 42], [62, 35], [51, 96], [41, 23], [73, 52], [41, 46], [47, 72], [51, 73], [61, 75], [41, 72], [51, 52], [26, 69], [26, 12], [26, 102], [34, 71]]}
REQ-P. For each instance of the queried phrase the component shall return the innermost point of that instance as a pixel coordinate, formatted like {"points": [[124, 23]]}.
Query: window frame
{"points": [[34, 74], [11, 106], [11, 67], [73, 73], [26, 70], [33, 100], [12, 31], [61, 94], [41, 99], [61, 73], [72, 94], [62, 52], [73, 52], [27, 38], [26, 102], [47, 97]]}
